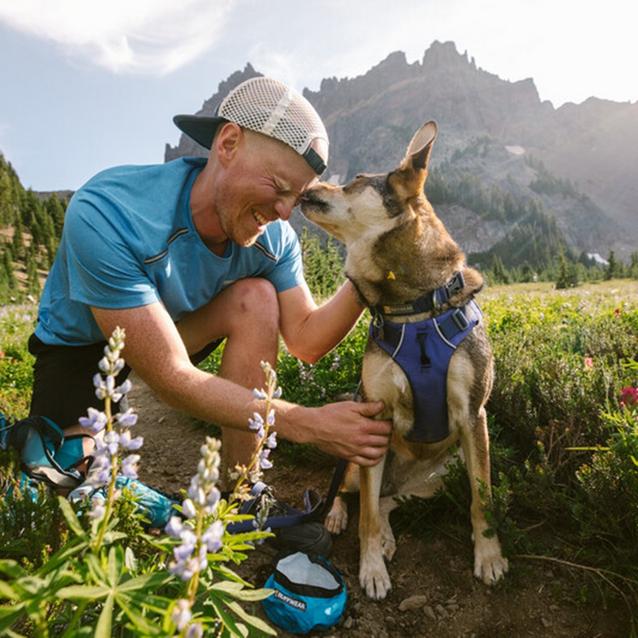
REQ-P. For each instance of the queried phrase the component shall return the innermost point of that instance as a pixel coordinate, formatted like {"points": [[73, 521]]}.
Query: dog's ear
{"points": [[417, 156], [409, 178]]}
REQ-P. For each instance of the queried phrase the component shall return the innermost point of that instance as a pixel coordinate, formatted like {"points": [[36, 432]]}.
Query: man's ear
{"points": [[227, 142], [408, 180]]}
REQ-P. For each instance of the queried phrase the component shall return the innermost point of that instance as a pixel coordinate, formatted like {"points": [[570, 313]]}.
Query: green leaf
{"points": [[8, 615], [115, 564], [257, 623], [84, 592], [103, 629], [228, 621], [71, 517], [149, 581], [6, 591], [11, 568], [136, 618], [62, 556], [238, 591]]}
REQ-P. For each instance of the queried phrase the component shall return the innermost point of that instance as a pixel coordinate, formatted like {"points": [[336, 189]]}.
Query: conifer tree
{"points": [[613, 270]]}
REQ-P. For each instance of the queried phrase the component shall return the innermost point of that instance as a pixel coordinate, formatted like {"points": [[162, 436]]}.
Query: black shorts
{"points": [[63, 387]]}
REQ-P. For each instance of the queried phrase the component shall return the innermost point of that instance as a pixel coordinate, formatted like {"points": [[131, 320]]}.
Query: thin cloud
{"points": [[141, 36]]}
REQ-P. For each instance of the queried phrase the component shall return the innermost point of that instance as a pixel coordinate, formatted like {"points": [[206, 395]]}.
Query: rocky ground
{"points": [[434, 593]]}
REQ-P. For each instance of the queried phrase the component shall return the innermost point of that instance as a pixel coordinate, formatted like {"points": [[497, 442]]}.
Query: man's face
{"points": [[261, 185]]}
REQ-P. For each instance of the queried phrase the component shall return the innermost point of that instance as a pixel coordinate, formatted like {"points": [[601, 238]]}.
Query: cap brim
{"points": [[198, 127]]}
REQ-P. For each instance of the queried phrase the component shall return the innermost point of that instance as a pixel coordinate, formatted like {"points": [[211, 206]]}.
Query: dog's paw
{"points": [[489, 564], [374, 578], [337, 518]]}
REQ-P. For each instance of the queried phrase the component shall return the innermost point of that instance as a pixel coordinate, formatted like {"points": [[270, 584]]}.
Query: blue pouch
{"points": [[309, 593], [156, 507]]}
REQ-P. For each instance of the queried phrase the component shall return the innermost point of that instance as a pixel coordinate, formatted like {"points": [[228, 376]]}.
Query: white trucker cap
{"points": [[269, 107]]}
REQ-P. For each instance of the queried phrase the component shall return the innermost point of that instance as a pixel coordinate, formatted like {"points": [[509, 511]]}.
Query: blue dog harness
{"points": [[423, 350]]}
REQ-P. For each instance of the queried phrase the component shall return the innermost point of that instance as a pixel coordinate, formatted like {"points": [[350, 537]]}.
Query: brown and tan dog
{"points": [[397, 251]]}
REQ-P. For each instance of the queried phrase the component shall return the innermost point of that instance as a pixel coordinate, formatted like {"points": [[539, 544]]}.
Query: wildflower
{"points": [[181, 614], [188, 508], [629, 396], [271, 441], [95, 420], [129, 443], [129, 465], [126, 419], [202, 499], [174, 527], [195, 631], [588, 362], [212, 537], [264, 463], [97, 509]]}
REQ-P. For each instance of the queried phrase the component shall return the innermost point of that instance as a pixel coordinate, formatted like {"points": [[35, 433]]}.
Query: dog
{"points": [[411, 274]]}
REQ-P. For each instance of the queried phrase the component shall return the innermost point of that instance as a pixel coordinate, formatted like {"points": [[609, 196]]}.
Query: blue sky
{"points": [[87, 84]]}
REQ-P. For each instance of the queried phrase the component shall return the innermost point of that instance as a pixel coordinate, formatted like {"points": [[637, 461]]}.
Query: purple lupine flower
{"points": [[95, 420], [212, 537], [112, 440], [264, 463], [195, 630], [188, 508], [126, 419], [129, 443], [271, 441], [174, 527], [181, 615], [129, 465]]}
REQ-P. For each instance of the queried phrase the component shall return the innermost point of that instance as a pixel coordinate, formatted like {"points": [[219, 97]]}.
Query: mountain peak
{"points": [[444, 53]]}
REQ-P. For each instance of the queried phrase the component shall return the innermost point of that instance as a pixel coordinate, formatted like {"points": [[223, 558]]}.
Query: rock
{"points": [[546, 623], [348, 622], [453, 608], [442, 611], [429, 612], [412, 603]]}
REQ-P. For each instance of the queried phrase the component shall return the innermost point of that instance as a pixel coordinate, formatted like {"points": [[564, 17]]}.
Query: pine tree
{"points": [[7, 267], [567, 273], [612, 271]]}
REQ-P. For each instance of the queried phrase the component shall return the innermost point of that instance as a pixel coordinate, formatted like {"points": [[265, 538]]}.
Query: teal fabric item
{"points": [[129, 240], [156, 507], [309, 593]]}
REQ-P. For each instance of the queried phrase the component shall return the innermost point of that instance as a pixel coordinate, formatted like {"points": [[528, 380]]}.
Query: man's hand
{"points": [[347, 430]]}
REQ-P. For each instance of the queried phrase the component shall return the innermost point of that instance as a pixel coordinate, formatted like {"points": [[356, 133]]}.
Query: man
{"points": [[184, 254]]}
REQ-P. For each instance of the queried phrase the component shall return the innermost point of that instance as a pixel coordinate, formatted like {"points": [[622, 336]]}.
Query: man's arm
{"points": [[154, 349], [310, 331]]}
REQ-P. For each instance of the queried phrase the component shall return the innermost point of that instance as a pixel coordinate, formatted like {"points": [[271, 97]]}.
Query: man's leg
{"points": [[247, 313]]}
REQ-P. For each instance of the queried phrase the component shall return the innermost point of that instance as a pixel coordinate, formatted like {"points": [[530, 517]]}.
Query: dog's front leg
{"points": [[373, 574], [489, 563]]}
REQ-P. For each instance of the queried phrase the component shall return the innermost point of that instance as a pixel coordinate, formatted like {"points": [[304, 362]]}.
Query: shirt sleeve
{"points": [[288, 270], [101, 268]]}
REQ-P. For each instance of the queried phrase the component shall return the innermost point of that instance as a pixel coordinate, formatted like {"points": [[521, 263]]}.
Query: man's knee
{"points": [[255, 300]]}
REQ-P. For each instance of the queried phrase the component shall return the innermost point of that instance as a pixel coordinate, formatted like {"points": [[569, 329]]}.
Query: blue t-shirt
{"points": [[129, 240]]}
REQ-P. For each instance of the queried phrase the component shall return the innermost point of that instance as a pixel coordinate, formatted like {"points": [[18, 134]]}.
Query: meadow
{"points": [[563, 419]]}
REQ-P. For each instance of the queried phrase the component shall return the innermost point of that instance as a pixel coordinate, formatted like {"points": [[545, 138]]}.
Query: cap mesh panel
{"points": [[270, 107]]}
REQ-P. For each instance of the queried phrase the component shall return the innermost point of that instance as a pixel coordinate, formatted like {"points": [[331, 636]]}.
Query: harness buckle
{"points": [[459, 318], [456, 284]]}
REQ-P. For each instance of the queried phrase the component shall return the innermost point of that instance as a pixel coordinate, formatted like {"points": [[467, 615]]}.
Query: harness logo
{"points": [[293, 602]]}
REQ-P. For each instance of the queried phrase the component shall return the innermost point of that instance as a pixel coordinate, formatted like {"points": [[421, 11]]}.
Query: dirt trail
{"points": [[534, 600]]}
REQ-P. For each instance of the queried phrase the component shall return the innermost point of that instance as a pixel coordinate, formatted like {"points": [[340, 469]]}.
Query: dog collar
{"points": [[431, 300]]}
